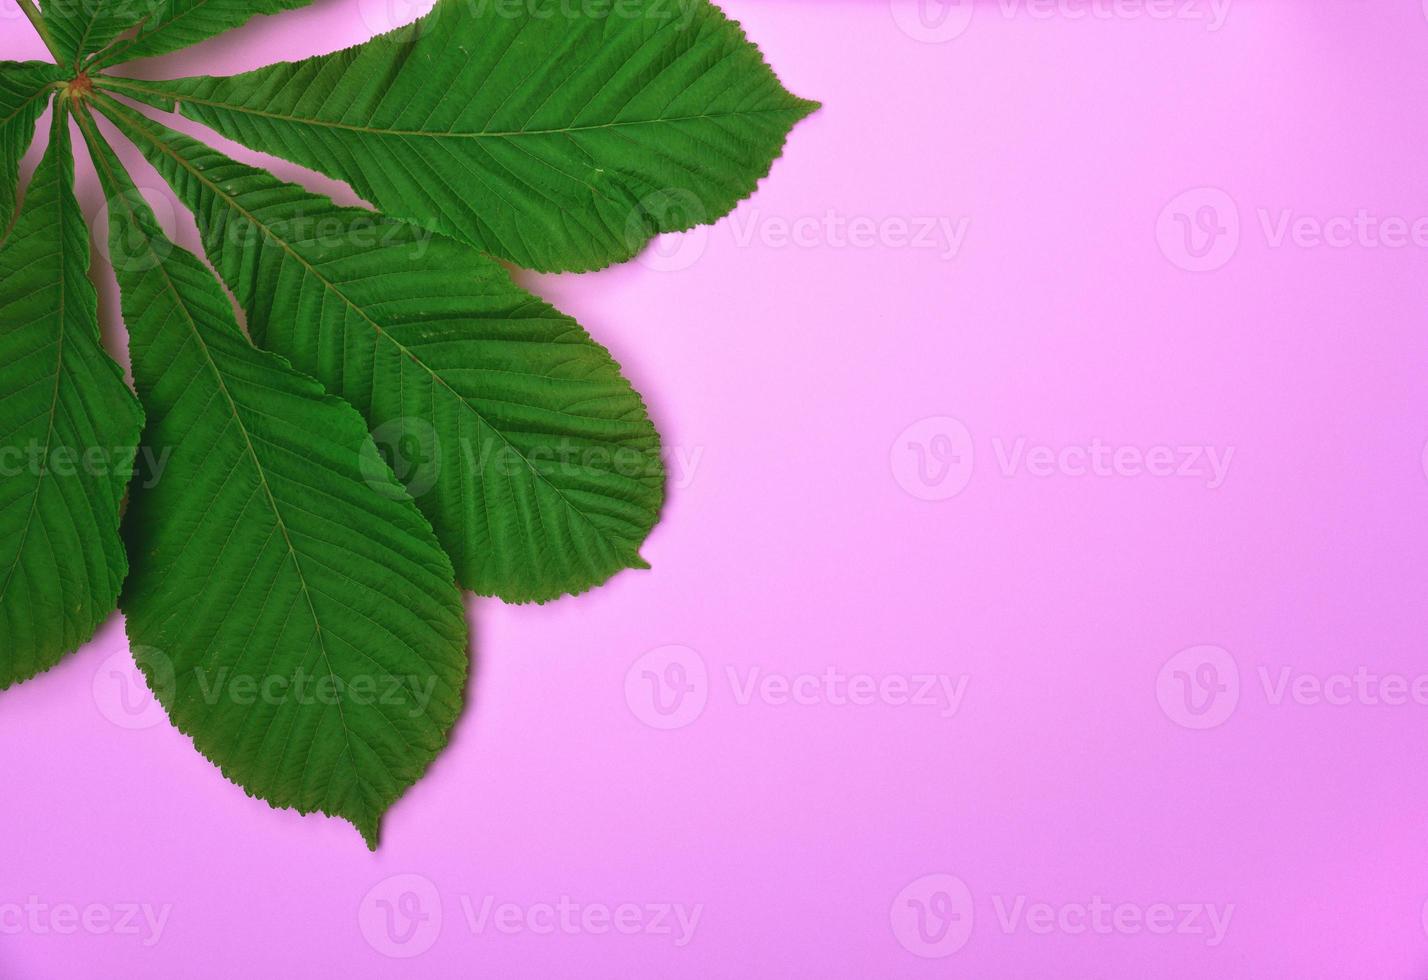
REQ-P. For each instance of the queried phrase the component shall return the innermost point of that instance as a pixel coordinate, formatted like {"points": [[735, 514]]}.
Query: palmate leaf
{"points": [[288, 604], [533, 458], [556, 139], [288, 601], [68, 429], [25, 88]]}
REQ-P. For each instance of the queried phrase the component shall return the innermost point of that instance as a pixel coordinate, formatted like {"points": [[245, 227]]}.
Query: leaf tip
{"points": [[371, 830]]}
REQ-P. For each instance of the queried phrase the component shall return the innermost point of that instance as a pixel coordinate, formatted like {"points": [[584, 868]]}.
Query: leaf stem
{"points": [[38, 23]]}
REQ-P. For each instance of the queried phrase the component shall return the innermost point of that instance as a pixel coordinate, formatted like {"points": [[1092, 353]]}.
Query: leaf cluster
{"points": [[399, 419]]}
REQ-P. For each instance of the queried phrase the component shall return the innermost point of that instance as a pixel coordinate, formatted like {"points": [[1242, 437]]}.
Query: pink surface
{"points": [[1049, 600]]}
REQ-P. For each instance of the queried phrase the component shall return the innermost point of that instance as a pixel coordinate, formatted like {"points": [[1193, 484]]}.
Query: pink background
{"points": [[786, 377]]}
